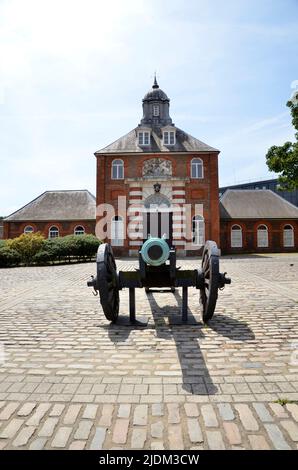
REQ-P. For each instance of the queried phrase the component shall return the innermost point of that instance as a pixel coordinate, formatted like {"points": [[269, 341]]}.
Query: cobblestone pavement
{"points": [[71, 380]]}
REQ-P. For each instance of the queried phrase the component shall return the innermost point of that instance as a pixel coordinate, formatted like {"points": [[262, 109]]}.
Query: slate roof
{"points": [[255, 204], [57, 205], [129, 144]]}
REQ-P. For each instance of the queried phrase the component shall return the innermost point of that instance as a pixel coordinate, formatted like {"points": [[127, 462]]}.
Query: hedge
{"points": [[33, 248]]}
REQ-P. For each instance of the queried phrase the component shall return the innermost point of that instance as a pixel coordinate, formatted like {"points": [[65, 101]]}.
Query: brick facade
{"points": [[15, 229], [179, 188], [249, 235]]}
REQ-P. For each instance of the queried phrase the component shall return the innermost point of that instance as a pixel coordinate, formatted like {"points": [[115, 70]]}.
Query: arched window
{"points": [[117, 231], [198, 230], [236, 236], [262, 236], [197, 168], [28, 229], [53, 232], [117, 170], [288, 236], [79, 230]]}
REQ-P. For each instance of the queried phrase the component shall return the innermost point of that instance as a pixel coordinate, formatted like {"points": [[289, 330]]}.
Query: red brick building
{"points": [[158, 165], [54, 213], [257, 221]]}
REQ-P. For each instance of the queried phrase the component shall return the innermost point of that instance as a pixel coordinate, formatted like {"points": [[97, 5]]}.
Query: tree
{"points": [[284, 159]]}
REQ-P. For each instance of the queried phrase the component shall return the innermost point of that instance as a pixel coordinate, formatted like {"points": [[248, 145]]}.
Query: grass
{"points": [[285, 401]]}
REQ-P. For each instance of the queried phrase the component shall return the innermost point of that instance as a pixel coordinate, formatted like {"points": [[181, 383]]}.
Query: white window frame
{"points": [[117, 231], [169, 138], [195, 164], [53, 231], [117, 165], [198, 230], [236, 236], [262, 243], [79, 232], [28, 229], [144, 138], [156, 110], [286, 232]]}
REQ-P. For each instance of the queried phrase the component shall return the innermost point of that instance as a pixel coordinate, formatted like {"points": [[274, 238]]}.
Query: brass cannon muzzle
{"points": [[155, 251]]}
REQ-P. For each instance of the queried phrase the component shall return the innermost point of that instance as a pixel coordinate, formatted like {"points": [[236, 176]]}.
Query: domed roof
{"points": [[156, 94]]}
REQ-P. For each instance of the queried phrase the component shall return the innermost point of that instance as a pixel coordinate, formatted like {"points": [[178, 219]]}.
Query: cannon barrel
{"points": [[155, 251]]}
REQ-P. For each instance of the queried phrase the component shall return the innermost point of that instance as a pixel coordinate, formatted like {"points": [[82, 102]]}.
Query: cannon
{"points": [[158, 269]]}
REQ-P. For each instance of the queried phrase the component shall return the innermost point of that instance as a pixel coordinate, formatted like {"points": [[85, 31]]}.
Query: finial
{"points": [[155, 84]]}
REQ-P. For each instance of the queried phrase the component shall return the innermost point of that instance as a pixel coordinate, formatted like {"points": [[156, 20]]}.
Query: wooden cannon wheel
{"points": [[210, 271], [107, 282]]}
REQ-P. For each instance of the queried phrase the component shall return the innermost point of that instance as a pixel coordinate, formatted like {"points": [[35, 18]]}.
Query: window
{"points": [[53, 232], [197, 168], [155, 110], [117, 231], [28, 229], [262, 236], [236, 236], [79, 230], [117, 170], [288, 236], [144, 138], [169, 138], [198, 230]]}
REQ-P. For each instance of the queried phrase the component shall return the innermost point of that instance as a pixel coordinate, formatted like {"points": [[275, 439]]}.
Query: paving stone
{"points": [[24, 436], [38, 444], [138, 438], [194, 430], [173, 413], [124, 411], [90, 411], [191, 410], [48, 427], [276, 437], [39, 413], [77, 445], [232, 433], [98, 439], [72, 414], [140, 415], [57, 410], [215, 441], [291, 428], [61, 437], [120, 431], [278, 410], [209, 416], [175, 437], [258, 442], [83, 430], [263, 413], [293, 409], [247, 419], [157, 429], [11, 429], [157, 409], [8, 411], [106, 415], [157, 445], [26, 409], [226, 411]]}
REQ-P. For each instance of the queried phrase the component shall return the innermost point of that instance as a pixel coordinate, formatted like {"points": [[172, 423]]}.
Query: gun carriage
{"points": [[158, 269]]}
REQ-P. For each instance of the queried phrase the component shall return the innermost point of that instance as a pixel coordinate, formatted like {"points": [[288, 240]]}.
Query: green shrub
{"points": [[27, 245], [9, 257]]}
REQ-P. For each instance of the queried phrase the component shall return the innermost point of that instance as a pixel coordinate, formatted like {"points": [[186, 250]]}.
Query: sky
{"points": [[73, 74]]}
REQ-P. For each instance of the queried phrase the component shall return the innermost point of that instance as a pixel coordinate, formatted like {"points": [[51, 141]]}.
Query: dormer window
{"points": [[169, 138], [144, 138], [155, 110]]}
